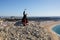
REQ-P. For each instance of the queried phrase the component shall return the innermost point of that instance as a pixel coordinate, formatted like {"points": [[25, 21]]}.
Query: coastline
{"points": [[54, 31], [49, 28]]}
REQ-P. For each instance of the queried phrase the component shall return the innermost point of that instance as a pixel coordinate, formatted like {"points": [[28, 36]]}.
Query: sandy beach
{"points": [[49, 27]]}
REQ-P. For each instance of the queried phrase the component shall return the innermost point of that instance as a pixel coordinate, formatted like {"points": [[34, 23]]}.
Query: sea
{"points": [[56, 29]]}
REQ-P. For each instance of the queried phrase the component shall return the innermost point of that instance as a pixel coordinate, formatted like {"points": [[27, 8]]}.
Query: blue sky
{"points": [[34, 7]]}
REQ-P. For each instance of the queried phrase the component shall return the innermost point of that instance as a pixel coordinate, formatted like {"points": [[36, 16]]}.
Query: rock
{"points": [[33, 31], [1, 38]]}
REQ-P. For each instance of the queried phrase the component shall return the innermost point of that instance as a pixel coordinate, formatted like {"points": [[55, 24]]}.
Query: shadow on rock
{"points": [[18, 23]]}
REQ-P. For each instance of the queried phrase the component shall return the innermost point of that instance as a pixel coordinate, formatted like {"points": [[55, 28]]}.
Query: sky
{"points": [[34, 7]]}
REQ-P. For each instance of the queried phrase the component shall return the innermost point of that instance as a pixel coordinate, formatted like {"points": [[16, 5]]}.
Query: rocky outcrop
{"points": [[33, 31]]}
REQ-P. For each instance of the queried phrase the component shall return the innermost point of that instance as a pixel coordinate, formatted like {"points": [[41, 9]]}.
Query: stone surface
{"points": [[33, 31]]}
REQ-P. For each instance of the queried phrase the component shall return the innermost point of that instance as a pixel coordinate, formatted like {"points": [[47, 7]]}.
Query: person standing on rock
{"points": [[24, 19]]}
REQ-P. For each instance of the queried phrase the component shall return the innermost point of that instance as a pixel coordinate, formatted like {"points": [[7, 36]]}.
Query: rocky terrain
{"points": [[33, 31]]}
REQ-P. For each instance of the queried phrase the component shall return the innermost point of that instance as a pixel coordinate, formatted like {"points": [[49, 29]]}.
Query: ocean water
{"points": [[56, 29]]}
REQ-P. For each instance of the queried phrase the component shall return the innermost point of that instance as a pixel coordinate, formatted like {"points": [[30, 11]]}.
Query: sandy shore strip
{"points": [[49, 27]]}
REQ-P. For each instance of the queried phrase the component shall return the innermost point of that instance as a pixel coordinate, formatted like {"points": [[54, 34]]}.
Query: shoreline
{"points": [[54, 31], [49, 29]]}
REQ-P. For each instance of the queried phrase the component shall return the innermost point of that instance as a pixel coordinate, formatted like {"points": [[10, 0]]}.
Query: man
{"points": [[24, 19]]}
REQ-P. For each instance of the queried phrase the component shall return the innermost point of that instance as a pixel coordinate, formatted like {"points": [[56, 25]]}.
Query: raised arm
{"points": [[24, 13]]}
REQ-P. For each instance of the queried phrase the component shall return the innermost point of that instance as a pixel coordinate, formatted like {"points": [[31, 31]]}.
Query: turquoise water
{"points": [[56, 29]]}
